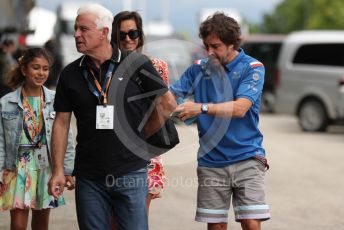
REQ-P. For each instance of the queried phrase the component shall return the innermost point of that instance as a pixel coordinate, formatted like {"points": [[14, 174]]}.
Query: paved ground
{"points": [[305, 183]]}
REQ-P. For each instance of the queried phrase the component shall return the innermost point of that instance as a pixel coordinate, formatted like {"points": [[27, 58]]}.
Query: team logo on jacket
{"points": [[255, 76]]}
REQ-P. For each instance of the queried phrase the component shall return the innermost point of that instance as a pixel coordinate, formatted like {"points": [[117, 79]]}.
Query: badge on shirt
{"points": [[52, 115], [41, 156], [104, 118]]}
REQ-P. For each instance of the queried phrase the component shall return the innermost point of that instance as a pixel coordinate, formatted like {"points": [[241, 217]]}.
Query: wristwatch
{"points": [[204, 108]]}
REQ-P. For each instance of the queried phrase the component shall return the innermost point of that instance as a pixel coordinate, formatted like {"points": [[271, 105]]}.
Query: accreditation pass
{"points": [[104, 118]]}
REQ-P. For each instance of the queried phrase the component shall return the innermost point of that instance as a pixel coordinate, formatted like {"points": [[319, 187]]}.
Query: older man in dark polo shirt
{"points": [[82, 89]]}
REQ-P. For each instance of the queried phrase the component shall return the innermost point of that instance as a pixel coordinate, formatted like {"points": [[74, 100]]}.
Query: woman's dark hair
{"points": [[224, 27], [16, 77], [127, 15]]}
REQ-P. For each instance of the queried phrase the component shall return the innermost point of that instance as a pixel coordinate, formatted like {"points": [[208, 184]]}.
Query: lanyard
{"points": [[37, 121], [100, 91]]}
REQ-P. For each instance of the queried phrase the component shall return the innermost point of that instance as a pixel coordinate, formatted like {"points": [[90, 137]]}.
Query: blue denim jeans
{"points": [[123, 196]]}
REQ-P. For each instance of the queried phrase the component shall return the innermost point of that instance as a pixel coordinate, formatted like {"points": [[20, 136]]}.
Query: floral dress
{"points": [[27, 187], [156, 171]]}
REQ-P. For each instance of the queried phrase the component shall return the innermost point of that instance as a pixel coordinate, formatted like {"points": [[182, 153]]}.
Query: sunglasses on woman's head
{"points": [[133, 34]]}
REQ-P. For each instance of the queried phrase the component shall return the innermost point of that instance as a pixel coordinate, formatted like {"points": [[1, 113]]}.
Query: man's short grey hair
{"points": [[104, 16]]}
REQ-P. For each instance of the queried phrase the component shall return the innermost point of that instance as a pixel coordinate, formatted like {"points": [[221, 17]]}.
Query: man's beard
{"points": [[214, 67]]}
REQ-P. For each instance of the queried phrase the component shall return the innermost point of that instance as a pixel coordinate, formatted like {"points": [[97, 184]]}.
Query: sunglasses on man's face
{"points": [[133, 34]]}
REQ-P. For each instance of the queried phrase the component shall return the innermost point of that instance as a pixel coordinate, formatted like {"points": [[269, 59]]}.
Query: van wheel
{"points": [[268, 102], [313, 116]]}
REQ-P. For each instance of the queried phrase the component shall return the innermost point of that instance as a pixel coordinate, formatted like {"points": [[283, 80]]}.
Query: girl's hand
{"points": [[154, 196], [70, 182]]}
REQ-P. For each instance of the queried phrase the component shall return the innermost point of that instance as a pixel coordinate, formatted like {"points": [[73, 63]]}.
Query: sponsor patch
{"points": [[255, 76], [236, 74]]}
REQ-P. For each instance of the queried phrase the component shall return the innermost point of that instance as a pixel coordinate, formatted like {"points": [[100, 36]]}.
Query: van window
{"points": [[320, 54], [267, 53], [264, 52]]}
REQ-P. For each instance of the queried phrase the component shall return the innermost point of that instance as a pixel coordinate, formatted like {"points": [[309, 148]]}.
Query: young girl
{"points": [[27, 116]]}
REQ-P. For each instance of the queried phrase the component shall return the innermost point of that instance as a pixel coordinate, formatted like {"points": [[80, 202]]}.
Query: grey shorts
{"points": [[243, 182]]}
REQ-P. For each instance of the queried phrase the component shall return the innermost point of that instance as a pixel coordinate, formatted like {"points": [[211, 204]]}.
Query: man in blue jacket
{"points": [[227, 88]]}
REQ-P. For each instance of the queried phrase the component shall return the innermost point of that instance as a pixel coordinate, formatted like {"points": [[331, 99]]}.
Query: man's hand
{"points": [[164, 106], [56, 183], [188, 110], [70, 182], [59, 140]]}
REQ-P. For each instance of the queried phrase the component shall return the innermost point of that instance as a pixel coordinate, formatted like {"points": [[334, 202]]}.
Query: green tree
{"points": [[291, 15]]}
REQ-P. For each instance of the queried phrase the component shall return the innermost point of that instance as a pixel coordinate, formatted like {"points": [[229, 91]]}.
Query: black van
{"points": [[266, 48]]}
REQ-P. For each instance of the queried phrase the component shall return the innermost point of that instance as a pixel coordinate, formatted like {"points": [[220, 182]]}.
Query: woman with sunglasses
{"points": [[127, 34]]}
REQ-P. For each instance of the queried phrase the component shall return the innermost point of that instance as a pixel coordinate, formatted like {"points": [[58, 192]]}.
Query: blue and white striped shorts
{"points": [[243, 182]]}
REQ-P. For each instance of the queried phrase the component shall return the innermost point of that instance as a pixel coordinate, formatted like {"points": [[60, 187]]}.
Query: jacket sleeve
{"points": [[185, 85], [70, 154]]}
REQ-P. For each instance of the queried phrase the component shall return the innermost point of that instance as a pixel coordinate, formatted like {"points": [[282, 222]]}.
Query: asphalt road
{"points": [[304, 184]]}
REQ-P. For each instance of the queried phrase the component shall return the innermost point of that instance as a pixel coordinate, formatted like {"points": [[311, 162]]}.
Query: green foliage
{"points": [[254, 28], [291, 15]]}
